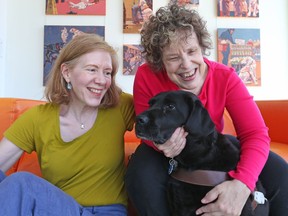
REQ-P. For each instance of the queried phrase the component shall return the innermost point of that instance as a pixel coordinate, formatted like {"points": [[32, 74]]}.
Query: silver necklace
{"points": [[82, 124]]}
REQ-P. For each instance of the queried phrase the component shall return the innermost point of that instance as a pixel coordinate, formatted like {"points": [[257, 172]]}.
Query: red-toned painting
{"points": [[76, 7], [240, 49], [238, 8]]}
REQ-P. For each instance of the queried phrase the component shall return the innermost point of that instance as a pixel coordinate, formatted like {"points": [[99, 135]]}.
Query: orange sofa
{"points": [[275, 114]]}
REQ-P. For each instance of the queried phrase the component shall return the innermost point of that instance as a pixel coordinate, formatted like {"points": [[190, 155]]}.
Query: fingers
{"points": [[175, 144], [218, 208], [212, 208], [208, 210], [211, 196], [227, 198]]}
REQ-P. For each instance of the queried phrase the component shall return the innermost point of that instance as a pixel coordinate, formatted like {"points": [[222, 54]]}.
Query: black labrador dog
{"points": [[206, 158]]}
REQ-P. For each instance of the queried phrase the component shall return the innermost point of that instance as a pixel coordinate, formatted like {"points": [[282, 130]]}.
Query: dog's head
{"points": [[170, 110]]}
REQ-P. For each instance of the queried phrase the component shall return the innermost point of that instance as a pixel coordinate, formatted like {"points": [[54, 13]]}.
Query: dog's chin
{"points": [[157, 140]]}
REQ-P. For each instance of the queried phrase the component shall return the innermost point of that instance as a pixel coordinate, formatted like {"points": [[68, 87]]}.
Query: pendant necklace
{"points": [[83, 123]]}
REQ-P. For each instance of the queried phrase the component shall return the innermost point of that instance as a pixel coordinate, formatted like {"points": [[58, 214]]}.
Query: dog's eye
{"points": [[169, 107]]}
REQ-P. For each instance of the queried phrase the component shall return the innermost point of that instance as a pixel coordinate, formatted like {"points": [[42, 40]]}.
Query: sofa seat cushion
{"points": [[280, 149], [131, 143], [27, 162]]}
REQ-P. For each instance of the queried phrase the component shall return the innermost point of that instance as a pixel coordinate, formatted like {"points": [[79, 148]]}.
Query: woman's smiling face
{"points": [[184, 63], [90, 78]]}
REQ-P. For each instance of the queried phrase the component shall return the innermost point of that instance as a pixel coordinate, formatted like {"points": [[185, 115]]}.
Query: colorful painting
{"points": [[240, 49], [189, 4], [132, 58], [75, 7], [55, 38], [135, 13], [238, 8]]}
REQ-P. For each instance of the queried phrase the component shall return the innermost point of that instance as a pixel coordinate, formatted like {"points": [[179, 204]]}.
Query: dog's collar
{"points": [[200, 177]]}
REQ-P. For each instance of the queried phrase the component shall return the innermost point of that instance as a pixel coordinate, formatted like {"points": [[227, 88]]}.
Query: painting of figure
{"points": [[189, 4], [240, 49], [238, 8], [132, 58], [55, 38], [135, 13], [75, 7]]}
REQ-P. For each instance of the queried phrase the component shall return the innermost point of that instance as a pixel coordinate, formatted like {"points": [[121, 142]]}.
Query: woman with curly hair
{"points": [[175, 41]]}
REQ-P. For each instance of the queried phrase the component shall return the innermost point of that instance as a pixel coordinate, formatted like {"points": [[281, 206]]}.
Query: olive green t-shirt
{"points": [[91, 167]]}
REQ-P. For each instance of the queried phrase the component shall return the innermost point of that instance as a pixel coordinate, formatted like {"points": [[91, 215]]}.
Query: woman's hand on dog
{"points": [[173, 146], [231, 197]]}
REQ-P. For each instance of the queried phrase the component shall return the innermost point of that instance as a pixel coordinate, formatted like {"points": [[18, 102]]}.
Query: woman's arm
{"points": [[9, 154], [251, 132]]}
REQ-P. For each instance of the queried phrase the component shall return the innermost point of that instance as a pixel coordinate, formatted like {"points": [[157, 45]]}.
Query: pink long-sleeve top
{"points": [[221, 89]]}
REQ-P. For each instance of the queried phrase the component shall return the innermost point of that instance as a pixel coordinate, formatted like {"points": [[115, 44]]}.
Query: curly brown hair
{"points": [[162, 28], [56, 91]]}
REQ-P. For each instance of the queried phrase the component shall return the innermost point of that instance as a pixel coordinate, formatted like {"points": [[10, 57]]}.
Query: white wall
{"points": [[3, 22], [22, 31]]}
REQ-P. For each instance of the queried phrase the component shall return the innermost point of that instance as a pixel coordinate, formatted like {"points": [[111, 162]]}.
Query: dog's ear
{"points": [[151, 101], [199, 122]]}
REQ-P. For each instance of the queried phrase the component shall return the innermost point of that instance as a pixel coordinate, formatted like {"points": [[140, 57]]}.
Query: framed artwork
{"points": [[135, 13], [55, 38], [240, 49], [132, 58], [238, 8], [189, 4], [75, 7]]}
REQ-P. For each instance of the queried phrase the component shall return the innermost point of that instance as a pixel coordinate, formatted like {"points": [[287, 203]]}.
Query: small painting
{"points": [[75, 7], [135, 13], [238, 8], [189, 4], [240, 49], [55, 38], [132, 58]]}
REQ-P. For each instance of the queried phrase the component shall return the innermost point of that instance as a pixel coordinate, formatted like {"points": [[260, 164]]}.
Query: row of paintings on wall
{"points": [[98, 7], [136, 10], [135, 13], [238, 48]]}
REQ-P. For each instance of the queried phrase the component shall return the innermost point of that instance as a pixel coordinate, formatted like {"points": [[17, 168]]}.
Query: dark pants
{"points": [[147, 175], [226, 54]]}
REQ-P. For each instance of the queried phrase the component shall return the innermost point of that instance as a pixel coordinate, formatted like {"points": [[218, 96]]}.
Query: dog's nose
{"points": [[142, 119]]}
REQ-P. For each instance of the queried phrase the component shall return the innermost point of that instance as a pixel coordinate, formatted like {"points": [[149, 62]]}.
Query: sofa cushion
{"points": [[131, 143], [27, 162], [280, 149], [275, 114], [11, 108]]}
